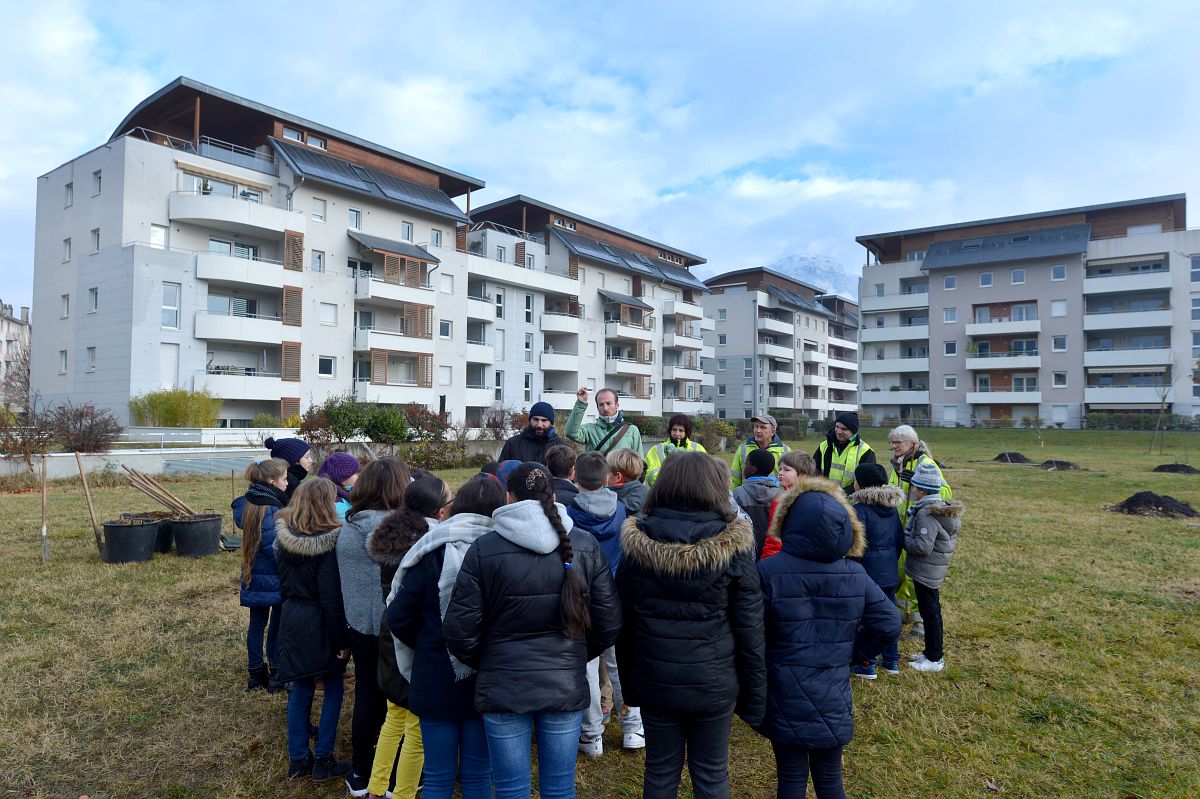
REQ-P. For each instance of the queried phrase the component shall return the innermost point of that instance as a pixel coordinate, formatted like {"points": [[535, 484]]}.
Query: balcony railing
{"points": [[1127, 310], [243, 315], [1001, 354], [244, 196], [1163, 346], [1003, 390], [242, 371], [477, 341], [567, 314]]}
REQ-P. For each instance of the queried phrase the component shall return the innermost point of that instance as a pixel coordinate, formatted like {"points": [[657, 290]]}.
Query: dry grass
{"points": [[1072, 647]]}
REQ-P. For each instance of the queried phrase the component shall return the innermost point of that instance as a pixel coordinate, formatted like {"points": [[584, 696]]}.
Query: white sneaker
{"points": [[924, 664], [591, 748], [634, 740], [916, 657]]}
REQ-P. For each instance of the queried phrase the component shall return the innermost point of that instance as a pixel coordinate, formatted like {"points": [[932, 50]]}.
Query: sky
{"points": [[743, 133]]}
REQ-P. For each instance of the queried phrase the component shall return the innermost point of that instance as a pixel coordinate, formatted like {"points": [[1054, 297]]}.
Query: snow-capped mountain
{"points": [[819, 271]]}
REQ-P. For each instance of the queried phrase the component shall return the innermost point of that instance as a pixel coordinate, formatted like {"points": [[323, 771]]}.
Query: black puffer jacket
{"points": [[387, 545], [504, 618], [529, 446], [312, 628], [692, 637]]}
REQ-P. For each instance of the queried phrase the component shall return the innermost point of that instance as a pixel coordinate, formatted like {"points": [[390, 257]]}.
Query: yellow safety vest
{"points": [[842, 464]]}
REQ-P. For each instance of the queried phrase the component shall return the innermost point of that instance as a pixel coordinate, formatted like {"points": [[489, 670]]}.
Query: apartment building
{"points": [[780, 345], [1042, 316], [14, 332], [216, 243]]}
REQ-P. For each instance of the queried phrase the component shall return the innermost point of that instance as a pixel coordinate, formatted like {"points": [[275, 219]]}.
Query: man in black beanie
{"points": [[538, 436], [842, 451]]}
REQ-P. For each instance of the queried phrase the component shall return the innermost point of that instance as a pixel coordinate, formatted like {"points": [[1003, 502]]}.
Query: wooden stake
{"points": [[87, 492], [232, 484], [45, 538]]}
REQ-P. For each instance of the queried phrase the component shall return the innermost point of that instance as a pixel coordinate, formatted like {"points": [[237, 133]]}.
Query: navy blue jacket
{"points": [[601, 514], [876, 509], [814, 599], [263, 590]]}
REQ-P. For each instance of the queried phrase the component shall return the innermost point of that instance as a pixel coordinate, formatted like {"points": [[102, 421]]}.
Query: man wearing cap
{"points": [[764, 437], [842, 451], [609, 432], [538, 436]]}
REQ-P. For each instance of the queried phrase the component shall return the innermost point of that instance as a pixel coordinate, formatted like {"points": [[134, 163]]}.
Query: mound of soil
{"points": [[1011, 457], [1176, 468], [1147, 503], [1060, 466]]}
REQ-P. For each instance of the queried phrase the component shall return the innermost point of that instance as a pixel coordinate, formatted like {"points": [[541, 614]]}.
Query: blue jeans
{"points": [[456, 748], [794, 765], [508, 736], [864, 645], [299, 710], [262, 620]]}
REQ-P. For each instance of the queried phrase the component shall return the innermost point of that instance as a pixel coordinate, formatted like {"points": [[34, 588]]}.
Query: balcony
{"points": [[250, 328], [896, 333], [627, 366], [837, 363], [560, 400], [615, 329], [898, 397], [1127, 320], [682, 372], [814, 379], [775, 401], [708, 379], [479, 351], [239, 383], [839, 407], [375, 289], [1005, 396], [479, 396], [241, 271], [1004, 360], [708, 351], [894, 302], [776, 351], [781, 377], [812, 404], [1132, 395], [559, 362], [844, 343], [692, 407], [682, 341], [708, 323], [1001, 327], [815, 356], [684, 310], [1128, 357], [233, 214], [1123, 284], [513, 275], [768, 324], [393, 393], [889, 365], [842, 385], [632, 404], [380, 338], [559, 323], [480, 307]]}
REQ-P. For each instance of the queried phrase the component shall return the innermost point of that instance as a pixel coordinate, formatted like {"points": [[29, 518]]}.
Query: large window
{"points": [[318, 209], [170, 305], [1026, 312]]}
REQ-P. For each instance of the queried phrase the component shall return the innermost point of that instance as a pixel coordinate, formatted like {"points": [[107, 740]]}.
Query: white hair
{"points": [[904, 433]]}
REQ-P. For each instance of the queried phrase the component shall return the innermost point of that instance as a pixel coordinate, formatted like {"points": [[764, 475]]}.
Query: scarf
{"points": [[923, 502], [615, 421], [266, 494]]}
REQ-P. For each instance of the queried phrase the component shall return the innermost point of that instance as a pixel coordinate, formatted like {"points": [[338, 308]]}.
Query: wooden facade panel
{"points": [[293, 305], [293, 251], [379, 367], [290, 370], [367, 158], [288, 407]]}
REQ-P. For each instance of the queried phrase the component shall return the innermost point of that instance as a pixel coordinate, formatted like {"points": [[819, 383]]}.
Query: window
{"points": [[528, 387], [68, 195], [951, 348], [1060, 380], [354, 218], [528, 348], [878, 320], [529, 308], [65, 306], [406, 231], [949, 283], [627, 284], [445, 375], [158, 236], [1026, 312], [530, 263], [985, 279], [95, 240], [721, 390], [93, 300], [316, 141], [878, 289], [499, 386], [1017, 276], [435, 237], [62, 362], [91, 359], [447, 284], [721, 314], [1058, 343], [499, 304], [501, 253], [318, 210], [949, 315], [1025, 383], [720, 364], [66, 250], [326, 366], [446, 328], [1058, 307], [600, 278], [293, 134], [329, 313], [358, 268], [97, 182], [950, 382], [747, 367], [721, 338], [1058, 272], [1196, 309], [170, 305]]}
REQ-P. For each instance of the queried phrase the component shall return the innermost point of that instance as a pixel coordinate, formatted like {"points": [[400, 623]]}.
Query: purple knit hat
{"points": [[339, 467]]}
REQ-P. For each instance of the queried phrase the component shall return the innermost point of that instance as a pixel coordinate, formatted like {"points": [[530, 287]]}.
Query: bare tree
{"points": [[16, 381], [1164, 393]]}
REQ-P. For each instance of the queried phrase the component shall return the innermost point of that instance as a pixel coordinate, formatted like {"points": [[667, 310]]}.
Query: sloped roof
{"points": [[624, 299], [627, 259], [1027, 246], [799, 301], [398, 247]]}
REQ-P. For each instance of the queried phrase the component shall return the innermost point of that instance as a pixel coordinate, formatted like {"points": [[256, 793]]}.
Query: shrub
{"points": [[435, 454], [424, 424], [292, 421], [84, 428], [24, 438], [265, 420], [175, 407], [708, 431], [314, 427], [346, 416], [650, 426], [822, 426], [385, 425], [500, 421]]}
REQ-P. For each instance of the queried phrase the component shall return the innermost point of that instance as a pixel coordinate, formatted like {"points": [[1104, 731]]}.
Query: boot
{"points": [[300, 768], [274, 685], [326, 767], [258, 679]]}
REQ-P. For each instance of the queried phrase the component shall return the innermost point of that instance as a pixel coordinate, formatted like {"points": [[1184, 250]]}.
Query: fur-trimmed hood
{"points": [[885, 496], [710, 553], [810, 522], [952, 509], [306, 546]]}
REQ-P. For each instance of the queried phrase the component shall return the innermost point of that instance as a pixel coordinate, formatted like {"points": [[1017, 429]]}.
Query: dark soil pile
{"points": [[1147, 503], [1011, 457], [1060, 466], [1177, 468]]}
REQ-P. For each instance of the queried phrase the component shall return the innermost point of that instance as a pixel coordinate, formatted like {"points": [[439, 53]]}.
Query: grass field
{"points": [[1072, 648]]}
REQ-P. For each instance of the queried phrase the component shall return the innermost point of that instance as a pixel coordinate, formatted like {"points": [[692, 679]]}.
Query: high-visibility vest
{"points": [[657, 455], [842, 464]]}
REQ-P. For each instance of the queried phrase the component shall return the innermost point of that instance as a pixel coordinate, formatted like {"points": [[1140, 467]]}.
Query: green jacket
{"points": [[658, 453], [776, 447], [910, 466], [592, 433]]}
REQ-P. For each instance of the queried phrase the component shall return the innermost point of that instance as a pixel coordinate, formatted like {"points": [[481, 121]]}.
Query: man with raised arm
{"points": [[609, 432]]}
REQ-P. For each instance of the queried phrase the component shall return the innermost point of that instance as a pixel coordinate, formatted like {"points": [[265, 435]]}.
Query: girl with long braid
{"points": [[533, 603]]}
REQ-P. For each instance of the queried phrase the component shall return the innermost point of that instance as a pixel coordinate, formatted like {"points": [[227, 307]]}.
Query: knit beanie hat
{"points": [[763, 462], [339, 467], [290, 449], [505, 469], [869, 475], [848, 419], [542, 409], [926, 478]]}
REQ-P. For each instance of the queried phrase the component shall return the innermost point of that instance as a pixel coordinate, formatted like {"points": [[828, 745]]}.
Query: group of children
{"points": [[524, 599]]}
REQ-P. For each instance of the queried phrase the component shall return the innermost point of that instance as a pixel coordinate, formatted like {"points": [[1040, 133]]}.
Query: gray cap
{"points": [[766, 418]]}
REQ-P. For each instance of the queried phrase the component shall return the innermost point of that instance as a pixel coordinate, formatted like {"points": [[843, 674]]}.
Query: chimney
{"points": [[25, 314]]}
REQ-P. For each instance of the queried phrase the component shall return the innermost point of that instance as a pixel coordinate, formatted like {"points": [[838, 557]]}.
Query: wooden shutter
{"points": [[288, 406], [391, 268], [573, 305], [379, 360], [293, 304], [573, 266], [293, 251], [460, 238], [412, 274], [637, 285], [643, 352], [291, 362], [521, 254], [425, 371], [641, 387], [424, 321]]}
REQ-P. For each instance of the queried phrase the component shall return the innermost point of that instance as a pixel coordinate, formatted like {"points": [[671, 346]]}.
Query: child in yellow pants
{"points": [[399, 725]]}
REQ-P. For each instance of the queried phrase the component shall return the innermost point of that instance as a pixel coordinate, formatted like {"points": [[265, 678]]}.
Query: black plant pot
{"points": [[197, 536], [128, 541]]}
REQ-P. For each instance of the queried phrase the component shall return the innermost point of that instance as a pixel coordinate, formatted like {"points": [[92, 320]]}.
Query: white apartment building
{"points": [[1045, 316], [781, 346], [217, 243], [14, 332]]}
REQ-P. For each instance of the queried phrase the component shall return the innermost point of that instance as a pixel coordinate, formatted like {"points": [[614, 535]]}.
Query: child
{"points": [[342, 470], [792, 466], [625, 478], [254, 513], [312, 632], [757, 492], [596, 510], [815, 599], [298, 455], [875, 503], [929, 539], [560, 460]]}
